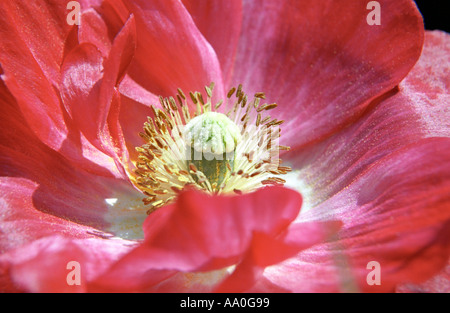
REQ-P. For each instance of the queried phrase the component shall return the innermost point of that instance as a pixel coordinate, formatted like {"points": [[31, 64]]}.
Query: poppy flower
{"points": [[96, 119]]}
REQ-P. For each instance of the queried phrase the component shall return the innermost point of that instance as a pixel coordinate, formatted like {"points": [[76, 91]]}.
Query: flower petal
{"points": [[46, 264], [428, 85], [46, 183], [401, 117], [323, 61], [29, 261], [19, 227], [437, 284], [67, 193], [30, 60], [81, 71], [44, 48], [210, 18], [383, 175], [202, 233], [132, 117], [87, 81], [223, 232], [395, 213], [266, 250], [180, 55], [94, 30]]}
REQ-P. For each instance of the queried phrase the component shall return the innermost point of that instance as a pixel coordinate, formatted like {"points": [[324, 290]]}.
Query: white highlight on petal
{"points": [[126, 213], [294, 181], [111, 201]]}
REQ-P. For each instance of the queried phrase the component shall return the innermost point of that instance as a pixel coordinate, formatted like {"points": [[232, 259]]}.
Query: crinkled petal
{"points": [[35, 32], [395, 213], [428, 85], [321, 59], [222, 228], [132, 117], [210, 18], [31, 58], [387, 177], [190, 246], [94, 30], [19, 227], [31, 52], [418, 109], [47, 265], [202, 233], [88, 89], [171, 52], [266, 250], [72, 195], [439, 283], [46, 183]]}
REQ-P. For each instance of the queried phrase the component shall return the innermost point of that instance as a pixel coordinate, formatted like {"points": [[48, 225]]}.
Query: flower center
{"points": [[212, 139], [228, 147]]}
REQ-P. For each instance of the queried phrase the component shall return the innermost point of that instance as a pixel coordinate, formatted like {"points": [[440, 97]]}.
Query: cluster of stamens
{"points": [[165, 166]]}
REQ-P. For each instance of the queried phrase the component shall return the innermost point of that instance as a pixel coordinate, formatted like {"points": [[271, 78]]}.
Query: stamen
{"points": [[236, 152]]}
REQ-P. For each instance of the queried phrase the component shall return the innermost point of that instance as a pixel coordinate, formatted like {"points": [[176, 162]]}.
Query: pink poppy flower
{"points": [[362, 107]]}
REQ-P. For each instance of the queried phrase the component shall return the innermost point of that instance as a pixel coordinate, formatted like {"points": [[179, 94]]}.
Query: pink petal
{"points": [[44, 265], [171, 52], [266, 250], [121, 54], [31, 60], [18, 139], [436, 284], [428, 85], [210, 18], [21, 226], [393, 121], [69, 194], [31, 57], [323, 61], [16, 136], [223, 232], [41, 182], [132, 117], [43, 49], [94, 30], [88, 91], [383, 177], [82, 70], [395, 213], [202, 233]]}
